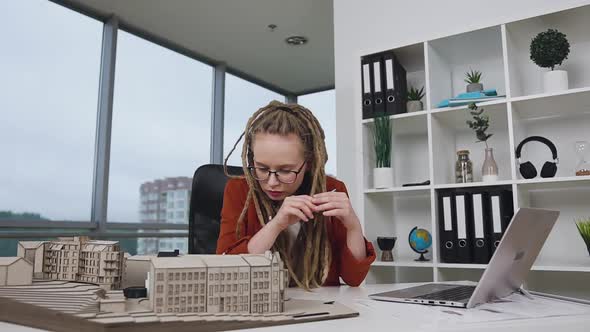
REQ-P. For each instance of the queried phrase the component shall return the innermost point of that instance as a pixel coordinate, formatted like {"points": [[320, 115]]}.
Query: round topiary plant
{"points": [[549, 48]]}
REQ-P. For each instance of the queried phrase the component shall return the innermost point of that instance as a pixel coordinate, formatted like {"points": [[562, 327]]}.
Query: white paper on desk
{"points": [[515, 306]]}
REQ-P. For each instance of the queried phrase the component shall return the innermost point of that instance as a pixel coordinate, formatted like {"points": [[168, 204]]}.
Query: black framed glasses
{"points": [[283, 176]]}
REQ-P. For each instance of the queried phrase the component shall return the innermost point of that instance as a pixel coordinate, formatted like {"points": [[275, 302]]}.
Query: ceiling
{"points": [[235, 32]]}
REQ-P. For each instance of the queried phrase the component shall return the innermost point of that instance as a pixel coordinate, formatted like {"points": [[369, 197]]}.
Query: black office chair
{"points": [[205, 208]]}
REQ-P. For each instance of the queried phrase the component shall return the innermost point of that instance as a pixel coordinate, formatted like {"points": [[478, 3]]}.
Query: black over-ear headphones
{"points": [[528, 170]]}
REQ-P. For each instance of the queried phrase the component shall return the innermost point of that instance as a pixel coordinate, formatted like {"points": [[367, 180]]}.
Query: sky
{"points": [[49, 74]]}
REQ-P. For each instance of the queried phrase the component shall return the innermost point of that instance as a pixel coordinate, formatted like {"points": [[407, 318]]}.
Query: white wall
{"points": [[363, 27]]}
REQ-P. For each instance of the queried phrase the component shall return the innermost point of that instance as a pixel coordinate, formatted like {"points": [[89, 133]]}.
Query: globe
{"points": [[420, 240]]}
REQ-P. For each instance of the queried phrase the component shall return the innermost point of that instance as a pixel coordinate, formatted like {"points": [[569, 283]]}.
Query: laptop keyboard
{"points": [[454, 294]]}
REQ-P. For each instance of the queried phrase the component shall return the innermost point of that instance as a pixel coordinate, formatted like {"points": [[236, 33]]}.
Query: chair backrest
{"points": [[205, 207]]}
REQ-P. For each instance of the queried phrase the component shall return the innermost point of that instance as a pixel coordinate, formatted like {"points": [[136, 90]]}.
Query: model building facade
{"points": [[76, 259], [217, 284], [15, 271]]}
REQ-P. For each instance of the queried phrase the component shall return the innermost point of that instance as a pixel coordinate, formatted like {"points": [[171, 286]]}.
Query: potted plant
{"points": [[414, 103], [480, 124], [583, 225], [549, 49], [382, 135], [473, 80]]}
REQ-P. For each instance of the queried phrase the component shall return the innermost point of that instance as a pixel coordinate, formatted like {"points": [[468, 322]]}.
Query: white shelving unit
{"points": [[425, 145]]}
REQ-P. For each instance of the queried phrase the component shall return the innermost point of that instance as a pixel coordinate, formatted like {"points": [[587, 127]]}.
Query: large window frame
{"points": [[97, 226]]}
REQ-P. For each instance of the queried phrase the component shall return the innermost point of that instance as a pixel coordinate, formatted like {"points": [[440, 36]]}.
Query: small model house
{"points": [[136, 270], [32, 251], [15, 271], [217, 284]]}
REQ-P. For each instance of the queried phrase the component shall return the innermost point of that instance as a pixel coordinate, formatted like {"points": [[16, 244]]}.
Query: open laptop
{"points": [[504, 274]]}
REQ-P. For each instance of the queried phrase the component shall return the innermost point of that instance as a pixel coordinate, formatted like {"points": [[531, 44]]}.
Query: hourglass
{"points": [[583, 166]]}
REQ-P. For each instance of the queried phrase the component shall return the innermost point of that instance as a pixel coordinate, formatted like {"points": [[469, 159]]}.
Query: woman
{"points": [[286, 203]]}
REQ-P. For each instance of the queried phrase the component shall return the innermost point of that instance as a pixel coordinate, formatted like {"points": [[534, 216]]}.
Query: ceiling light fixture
{"points": [[296, 40]]}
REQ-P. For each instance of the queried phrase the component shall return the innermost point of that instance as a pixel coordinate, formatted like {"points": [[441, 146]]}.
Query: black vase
{"points": [[386, 244]]}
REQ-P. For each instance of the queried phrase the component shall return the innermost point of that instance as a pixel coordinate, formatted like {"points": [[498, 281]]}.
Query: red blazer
{"points": [[344, 264]]}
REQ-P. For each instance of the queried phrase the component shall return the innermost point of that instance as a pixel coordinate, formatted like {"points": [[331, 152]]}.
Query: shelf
{"points": [[473, 184], [561, 268], [553, 105], [554, 183], [462, 266], [423, 190], [404, 263], [464, 107], [414, 123]]}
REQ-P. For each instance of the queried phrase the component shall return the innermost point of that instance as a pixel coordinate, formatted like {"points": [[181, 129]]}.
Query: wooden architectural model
{"points": [[217, 284], [135, 270], [15, 271], [76, 259]]}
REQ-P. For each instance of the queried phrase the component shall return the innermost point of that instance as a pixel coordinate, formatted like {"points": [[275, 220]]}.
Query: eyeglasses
{"points": [[283, 176]]}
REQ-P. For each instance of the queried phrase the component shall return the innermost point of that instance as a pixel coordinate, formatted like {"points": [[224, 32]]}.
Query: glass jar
{"points": [[463, 167], [583, 166]]}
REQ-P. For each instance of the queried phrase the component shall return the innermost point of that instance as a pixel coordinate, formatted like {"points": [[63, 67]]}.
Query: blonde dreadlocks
{"points": [[309, 260]]}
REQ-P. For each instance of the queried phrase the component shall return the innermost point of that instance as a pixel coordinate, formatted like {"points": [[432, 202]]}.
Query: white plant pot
{"points": [[555, 80], [382, 177], [414, 106]]}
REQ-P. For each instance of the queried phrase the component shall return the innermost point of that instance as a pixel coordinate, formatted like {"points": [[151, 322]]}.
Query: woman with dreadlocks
{"points": [[286, 203]]}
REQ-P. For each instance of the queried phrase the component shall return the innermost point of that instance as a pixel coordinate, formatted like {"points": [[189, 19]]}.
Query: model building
{"points": [[15, 271], [217, 284], [76, 259]]}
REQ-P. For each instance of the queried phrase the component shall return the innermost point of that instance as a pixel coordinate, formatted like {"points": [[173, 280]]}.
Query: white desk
{"points": [[369, 320]]}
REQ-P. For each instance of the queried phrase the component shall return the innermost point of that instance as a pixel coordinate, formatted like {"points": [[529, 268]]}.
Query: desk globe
{"points": [[420, 240]]}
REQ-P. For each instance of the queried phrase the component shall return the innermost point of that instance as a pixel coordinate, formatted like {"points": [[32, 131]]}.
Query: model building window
{"points": [[202, 275], [216, 288], [177, 289], [216, 276], [176, 300], [274, 281], [177, 276], [246, 287], [255, 297], [202, 289], [202, 298], [266, 285], [266, 307], [160, 289], [170, 299], [223, 276], [159, 301], [255, 285], [222, 288], [211, 276], [275, 296], [229, 276], [170, 276], [254, 275], [183, 275], [190, 276], [170, 289], [183, 300], [265, 296], [266, 274], [235, 287], [184, 288]]}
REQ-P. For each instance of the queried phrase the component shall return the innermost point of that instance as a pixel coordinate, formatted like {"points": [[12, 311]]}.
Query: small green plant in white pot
{"points": [[473, 80], [414, 103], [548, 50], [382, 136], [480, 124]]}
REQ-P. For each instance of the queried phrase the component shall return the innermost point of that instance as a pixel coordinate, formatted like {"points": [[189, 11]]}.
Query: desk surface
{"points": [[371, 319]]}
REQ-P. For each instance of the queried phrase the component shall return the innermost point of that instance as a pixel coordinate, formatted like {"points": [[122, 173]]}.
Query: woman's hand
{"points": [[293, 209], [337, 204]]}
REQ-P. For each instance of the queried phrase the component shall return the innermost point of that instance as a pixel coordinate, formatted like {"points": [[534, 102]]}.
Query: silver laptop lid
{"points": [[515, 255]]}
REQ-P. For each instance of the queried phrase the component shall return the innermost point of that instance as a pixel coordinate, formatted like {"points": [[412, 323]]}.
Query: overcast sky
{"points": [[49, 72]]}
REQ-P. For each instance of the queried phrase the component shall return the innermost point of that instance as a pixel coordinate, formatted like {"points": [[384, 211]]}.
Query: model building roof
{"points": [[6, 261], [256, 260], [31, 244], [188, 261], [139, 257], [224, 260]]}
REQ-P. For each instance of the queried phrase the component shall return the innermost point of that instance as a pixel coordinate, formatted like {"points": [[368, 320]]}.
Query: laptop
{"points": [[504, 274]]}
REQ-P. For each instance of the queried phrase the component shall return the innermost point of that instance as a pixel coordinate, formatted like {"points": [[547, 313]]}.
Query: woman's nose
{"points": [[273, 180]]}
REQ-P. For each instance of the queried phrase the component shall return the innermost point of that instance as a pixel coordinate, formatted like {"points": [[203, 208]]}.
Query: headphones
{"points": [[528, 170]]}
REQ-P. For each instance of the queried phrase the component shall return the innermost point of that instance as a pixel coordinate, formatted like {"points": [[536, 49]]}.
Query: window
{"points": [[50, 74], [323, 106], [161, 99], [238, 109], [266, 274]]}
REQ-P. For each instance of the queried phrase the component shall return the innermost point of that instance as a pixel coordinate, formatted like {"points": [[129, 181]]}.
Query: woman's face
{"points": [[279, 153]]}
